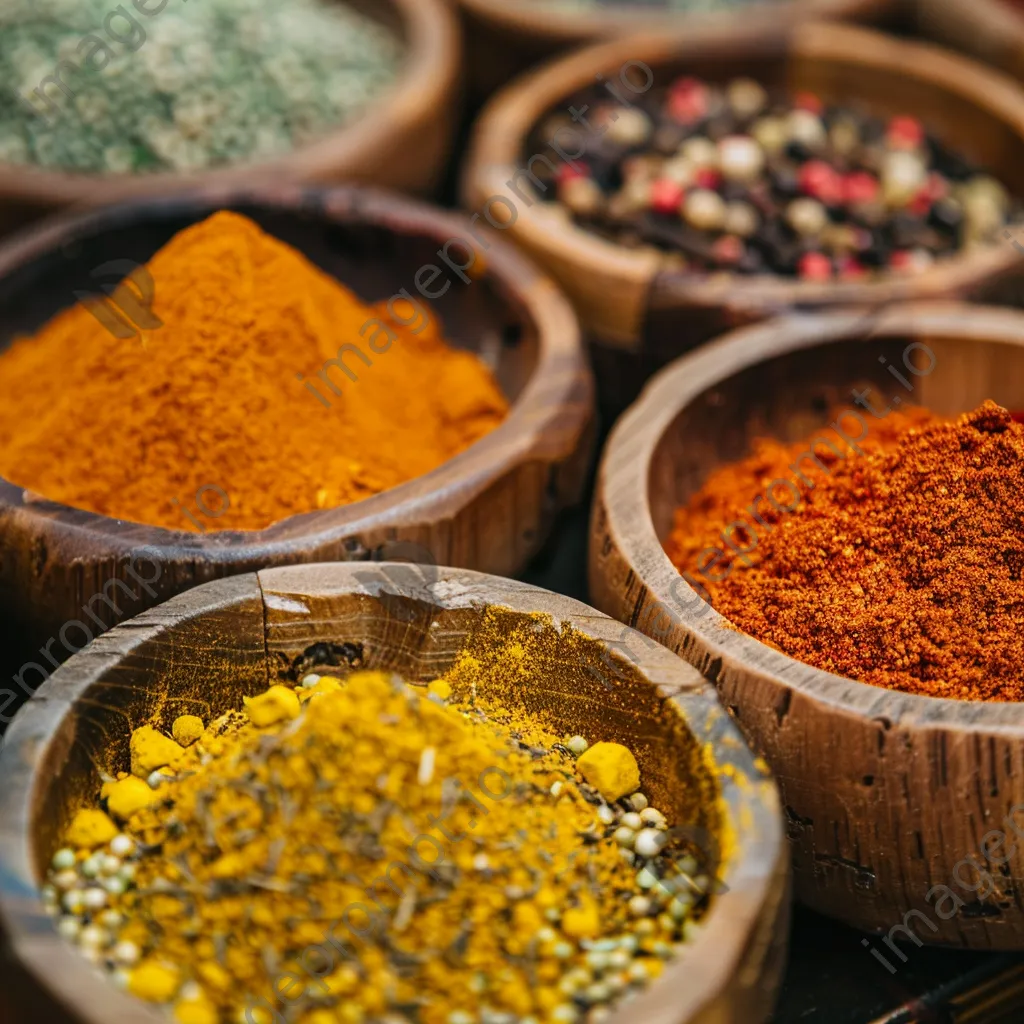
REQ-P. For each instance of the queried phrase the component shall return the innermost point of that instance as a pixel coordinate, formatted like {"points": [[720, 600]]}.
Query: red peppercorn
{"points": [[904, 133], [814, 266], [901, 259], [569, 172], [850, 269], [687, 100], [808, 101], [666, 195], [860, 187], [707, 177], [822, 182], [727, 250]]}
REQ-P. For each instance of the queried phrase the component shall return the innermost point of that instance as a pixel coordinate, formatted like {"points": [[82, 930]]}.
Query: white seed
{"points": [[803, 126], [63, 859], [116, 886], [308, 682], [631, 127], [638, 970], [640, 906], [771, 134], [740, 158], [110, 919], [481, 862], [556, 789], [597, 993], [627, 855], [91, 953], [624, 836], [562, 950], [66, 879], [903, 175], [742, 220], [425, 772], [127, 872], [94, 937], [122, 845], [679, 170], [95, 899], [74, 901], [746, 97], [646, 879], [459, 1017], [704, 210], [632, 820], [69, 927], [649, 842], [546, 934], [700, 152], [638, 801], [127, 953], [578, 745], [597, 960], [806, 217], [566, 1013], [605, 814], [157, 778], [48, 894], [652, 816], [679, 908], [120, 977], [90, 867], [109, 864]]}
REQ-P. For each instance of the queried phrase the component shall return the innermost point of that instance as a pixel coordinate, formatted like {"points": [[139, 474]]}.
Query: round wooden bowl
{"points": [[885, 793], [506, 36], [401, 141], [205, 650], [639, 312], [990, 30], [489, 508]]}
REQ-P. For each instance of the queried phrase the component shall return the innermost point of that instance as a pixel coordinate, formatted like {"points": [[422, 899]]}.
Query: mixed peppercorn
{"points": [[730, 178]]}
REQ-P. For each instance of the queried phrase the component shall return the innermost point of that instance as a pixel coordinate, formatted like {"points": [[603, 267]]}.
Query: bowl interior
{"points": [[375, 259], [204, 665], [793, 395]]}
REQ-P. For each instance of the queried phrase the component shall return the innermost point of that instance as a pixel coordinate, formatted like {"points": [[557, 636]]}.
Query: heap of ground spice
{"points": [[363, 850], [899, 565], [135, 427]]}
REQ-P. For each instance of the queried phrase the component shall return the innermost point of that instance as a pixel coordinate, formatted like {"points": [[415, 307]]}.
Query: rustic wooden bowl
{"points": [[885, 793], [639, 312], [402, 141], [504, 37], [205, 650], [490, 508], [989, 30]]}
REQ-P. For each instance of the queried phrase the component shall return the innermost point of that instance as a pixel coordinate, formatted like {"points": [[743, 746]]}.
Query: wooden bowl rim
{"points": [[623, 488], [559, 389], [503, 127], [433, 48], [748, 794], [567, 26]]}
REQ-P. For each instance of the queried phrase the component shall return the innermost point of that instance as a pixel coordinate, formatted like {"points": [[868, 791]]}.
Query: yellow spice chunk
{"points": [[151, 750], [196, 1011], [440, 688], [611, 769], [278, 704], [154, 982], [187, 729], [326, 684], [129, 795], [582, 922], [90, 828]]}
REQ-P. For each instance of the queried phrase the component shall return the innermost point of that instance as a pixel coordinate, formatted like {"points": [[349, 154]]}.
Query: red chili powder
{"points": [[900, 566]]}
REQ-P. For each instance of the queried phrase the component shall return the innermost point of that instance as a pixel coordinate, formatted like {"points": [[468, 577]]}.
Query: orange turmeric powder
{"points": [[135, 427]]}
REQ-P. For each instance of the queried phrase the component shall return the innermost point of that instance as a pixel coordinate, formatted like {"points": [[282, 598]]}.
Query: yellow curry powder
{"points": [[268, 390], [366, 850]]}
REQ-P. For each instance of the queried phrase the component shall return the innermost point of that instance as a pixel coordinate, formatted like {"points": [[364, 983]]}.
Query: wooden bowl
{"points": [[885, 793], [504, 37], [489, 508], [990, 30], [401, 141], [205, 650], [640, 313]]}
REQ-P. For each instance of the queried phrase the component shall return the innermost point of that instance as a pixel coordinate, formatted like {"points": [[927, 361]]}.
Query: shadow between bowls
{"points": [[504, 37], [206, 649], [638, 312], [989, 30], [490, 508], [885, 792], [401, 141]]}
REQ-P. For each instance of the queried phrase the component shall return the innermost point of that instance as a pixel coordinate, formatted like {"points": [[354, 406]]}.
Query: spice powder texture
{"points": [[900, 566], [129, 427]]}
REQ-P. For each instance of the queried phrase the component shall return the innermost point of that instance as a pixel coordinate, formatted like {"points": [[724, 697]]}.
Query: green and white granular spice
{"points": [[186, 87]]}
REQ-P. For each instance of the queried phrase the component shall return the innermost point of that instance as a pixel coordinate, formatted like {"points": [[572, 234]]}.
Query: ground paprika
{"points": [[899, 565]]}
